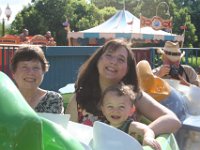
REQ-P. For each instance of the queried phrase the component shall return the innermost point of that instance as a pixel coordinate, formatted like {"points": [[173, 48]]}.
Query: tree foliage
{"points": [[82, 16], [193, 7], [118, 4], [43, 15]]}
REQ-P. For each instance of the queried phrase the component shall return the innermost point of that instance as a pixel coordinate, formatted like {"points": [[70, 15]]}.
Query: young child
{"points": [[117, 106]]}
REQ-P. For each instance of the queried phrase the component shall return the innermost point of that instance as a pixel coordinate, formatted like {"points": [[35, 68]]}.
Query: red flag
{"points": [[183, 27], [130, 22]]}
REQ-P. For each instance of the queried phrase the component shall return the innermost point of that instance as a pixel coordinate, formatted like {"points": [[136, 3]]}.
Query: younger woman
{"points": [[109, 65]]}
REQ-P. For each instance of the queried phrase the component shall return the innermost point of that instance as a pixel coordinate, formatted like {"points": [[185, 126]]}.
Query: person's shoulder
{"points": [[54, 94], [184, 65], [54, 101], [21, 35], [144, 98], [188, 67]]}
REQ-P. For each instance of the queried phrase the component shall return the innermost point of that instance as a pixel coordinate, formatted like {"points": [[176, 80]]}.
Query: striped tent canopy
{"points": [[124, 25]]}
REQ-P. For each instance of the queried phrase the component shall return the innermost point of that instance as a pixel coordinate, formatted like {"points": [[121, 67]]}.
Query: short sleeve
{"points": [[51, 103]]}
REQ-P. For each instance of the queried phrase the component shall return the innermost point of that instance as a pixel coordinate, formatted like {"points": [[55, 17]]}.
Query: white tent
{"points": [[124, 25]]}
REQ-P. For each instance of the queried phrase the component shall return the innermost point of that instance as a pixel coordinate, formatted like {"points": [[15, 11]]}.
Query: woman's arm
{"points": [[163, 119], [72, 109], [145, 132], [141, 129]]}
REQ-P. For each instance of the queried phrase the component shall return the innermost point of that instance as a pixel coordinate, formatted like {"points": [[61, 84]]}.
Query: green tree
{"points": [[193, 7], [52, 16], [40, 17], [180, 14], [182, 18], [82, 15], [27, 19], [118, 4], [107, 12], [43, 15]]}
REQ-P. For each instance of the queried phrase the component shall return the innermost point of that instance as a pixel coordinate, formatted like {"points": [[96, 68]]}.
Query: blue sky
{"points": [[15, 6]]}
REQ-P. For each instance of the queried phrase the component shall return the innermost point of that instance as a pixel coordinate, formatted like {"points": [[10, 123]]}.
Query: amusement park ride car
{"points": [[21, 126]]}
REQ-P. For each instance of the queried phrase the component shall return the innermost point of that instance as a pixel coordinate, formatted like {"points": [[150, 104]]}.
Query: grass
{"points": [[66, 98], [194, 62]]}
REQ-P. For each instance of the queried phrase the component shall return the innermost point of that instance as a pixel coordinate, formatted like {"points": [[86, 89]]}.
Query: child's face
{"points": [[116, 108]]}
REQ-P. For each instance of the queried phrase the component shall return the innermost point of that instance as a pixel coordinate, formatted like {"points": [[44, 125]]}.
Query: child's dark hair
{"points": [[121, 90]]}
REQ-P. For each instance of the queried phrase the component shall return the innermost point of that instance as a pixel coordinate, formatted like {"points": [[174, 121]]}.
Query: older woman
{"points": [[28, 66], [111, 64]]}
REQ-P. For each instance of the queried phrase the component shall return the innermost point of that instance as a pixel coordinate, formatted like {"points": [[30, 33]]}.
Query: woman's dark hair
{"points": [[27, 53], [88, 92]]}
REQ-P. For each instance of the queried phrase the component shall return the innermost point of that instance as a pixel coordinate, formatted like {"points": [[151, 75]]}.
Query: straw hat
{"points": [[151, 84], [172, 51]]}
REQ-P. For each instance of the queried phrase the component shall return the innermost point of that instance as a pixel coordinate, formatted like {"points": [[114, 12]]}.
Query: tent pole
{"points": [[69, 39], [183, 35]]}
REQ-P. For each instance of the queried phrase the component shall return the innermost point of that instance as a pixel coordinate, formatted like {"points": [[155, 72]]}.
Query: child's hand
{"points": [[151, 142]]}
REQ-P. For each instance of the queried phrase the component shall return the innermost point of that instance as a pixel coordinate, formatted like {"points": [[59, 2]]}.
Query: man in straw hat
{"points": [[171, 67]]}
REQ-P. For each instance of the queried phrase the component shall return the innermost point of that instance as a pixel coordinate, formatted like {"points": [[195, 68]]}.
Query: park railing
{"points": [[65, 61], [6, 53], [192, 58]]}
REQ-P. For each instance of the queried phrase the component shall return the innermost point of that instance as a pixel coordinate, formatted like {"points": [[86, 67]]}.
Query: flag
{"points": [[130, 22], [66, 23]]}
